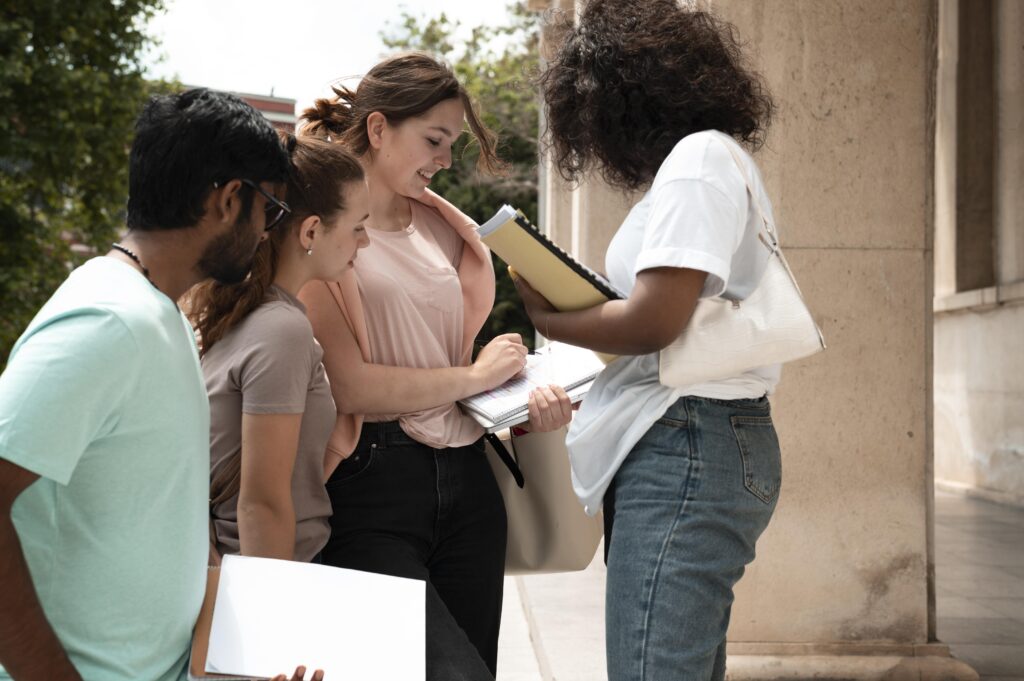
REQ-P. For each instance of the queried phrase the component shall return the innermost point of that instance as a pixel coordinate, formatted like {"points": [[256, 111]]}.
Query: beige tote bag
{"points": [[547, 528]]}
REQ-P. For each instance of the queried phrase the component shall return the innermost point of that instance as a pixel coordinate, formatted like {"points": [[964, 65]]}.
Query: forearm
{"points": [[266, 529], [29, 649], [658, 309], [380, 389], [611, 327]]}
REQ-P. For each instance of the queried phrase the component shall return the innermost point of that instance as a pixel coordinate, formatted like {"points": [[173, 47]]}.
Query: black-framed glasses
{"points": [[274, 210]]}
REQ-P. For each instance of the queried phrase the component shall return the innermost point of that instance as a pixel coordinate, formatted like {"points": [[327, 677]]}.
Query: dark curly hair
{"points": [[634, 77]]}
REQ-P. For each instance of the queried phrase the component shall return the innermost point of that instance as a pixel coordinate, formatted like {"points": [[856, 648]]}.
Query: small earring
{"points": [[309, 251]]}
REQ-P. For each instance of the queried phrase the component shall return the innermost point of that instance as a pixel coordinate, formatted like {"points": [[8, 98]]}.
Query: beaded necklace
{"points": [[145, 270]]}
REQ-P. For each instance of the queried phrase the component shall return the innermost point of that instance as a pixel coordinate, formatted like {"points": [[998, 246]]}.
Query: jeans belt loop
{"points": [[382, 435]]}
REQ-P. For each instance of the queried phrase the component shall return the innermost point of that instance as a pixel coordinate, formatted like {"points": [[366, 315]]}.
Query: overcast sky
{"points": [[294, 48]]}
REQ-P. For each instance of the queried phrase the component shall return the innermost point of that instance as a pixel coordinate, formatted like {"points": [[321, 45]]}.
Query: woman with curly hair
{"points": [[655, 97]]}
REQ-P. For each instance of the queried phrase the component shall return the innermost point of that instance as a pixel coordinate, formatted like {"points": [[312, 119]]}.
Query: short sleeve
{"points": [[277, 362], [64, 387], [692, 224]]}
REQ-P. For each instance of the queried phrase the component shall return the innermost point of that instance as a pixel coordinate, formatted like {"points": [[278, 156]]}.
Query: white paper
{"points": [[504, 214], [523, 415], [558, 363], [273, 615]]}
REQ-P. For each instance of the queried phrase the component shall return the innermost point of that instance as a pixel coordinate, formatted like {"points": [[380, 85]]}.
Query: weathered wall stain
{"points": [[878, 580]]}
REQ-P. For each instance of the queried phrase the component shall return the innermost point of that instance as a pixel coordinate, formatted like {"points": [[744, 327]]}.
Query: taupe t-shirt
{"points": [[271, 364]]}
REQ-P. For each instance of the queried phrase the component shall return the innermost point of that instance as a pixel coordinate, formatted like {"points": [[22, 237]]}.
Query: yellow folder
{"points": [[563, 280]]}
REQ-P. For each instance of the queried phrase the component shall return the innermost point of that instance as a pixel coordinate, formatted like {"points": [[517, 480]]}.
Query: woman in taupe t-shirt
{"points": [[271, 409]]}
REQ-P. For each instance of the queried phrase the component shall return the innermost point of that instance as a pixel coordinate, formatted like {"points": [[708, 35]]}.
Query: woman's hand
{"points": [[300, 674], [538, 308], [500, 360], [549, 408]]}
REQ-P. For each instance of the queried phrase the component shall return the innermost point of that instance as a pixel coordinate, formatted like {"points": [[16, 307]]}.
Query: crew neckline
{"points": [[395, 233], [287, 297], [159, 295]]}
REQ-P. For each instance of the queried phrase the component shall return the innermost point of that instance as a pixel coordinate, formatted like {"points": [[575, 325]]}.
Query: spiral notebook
{"points": [[561, 364], [563, 280]]}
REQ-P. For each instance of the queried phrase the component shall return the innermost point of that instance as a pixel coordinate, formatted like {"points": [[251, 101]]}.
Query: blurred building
{"points": [[280, 111], [979, 249]]}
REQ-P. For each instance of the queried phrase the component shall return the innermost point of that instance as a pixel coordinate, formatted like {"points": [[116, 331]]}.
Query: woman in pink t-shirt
{"points": [[412, 492]]}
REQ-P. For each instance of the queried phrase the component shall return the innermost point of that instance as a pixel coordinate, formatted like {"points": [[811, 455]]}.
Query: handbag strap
{"points": [[768, 227], [511, 464], [772, 240]]}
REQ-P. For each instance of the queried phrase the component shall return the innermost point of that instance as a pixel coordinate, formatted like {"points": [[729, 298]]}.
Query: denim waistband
{"points": [[687, 407], [740, 403], [385, 434]]}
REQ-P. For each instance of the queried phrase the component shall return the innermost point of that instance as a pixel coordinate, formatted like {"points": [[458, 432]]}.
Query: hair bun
{"points": [[329, 116], [324, 108], [320, 111]]}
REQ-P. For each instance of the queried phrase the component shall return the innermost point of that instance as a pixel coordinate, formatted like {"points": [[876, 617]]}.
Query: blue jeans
{"points": [[688, 504]]}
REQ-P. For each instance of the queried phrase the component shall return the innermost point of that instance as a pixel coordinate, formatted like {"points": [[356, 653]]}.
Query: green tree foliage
{"points": [[495, 63], [71, 85]]}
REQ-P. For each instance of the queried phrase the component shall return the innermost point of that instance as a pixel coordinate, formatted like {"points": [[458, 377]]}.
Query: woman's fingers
{"points": [[549, 408], [532, 299], [564, 410]]}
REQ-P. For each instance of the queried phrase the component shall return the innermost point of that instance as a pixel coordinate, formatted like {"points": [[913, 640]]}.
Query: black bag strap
{"points": [[510, 463]]}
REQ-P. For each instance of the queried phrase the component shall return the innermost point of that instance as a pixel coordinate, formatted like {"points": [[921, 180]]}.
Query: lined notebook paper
{"points": [[561, 364]]}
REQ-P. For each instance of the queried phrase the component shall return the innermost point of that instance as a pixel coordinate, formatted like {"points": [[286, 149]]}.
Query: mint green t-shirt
{"points": [[103, 397]]}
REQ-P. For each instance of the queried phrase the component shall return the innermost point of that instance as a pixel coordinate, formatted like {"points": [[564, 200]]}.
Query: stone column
{"points": [[947, 46], [1009, 29], [843, 586], [554, 205], [580, 219]]}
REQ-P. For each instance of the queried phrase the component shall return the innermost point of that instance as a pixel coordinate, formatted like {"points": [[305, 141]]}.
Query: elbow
{"points": [[665, 337], [266, 529], [349, 389], [659, 328], [347, 398], [653, 339], [263, 510]]}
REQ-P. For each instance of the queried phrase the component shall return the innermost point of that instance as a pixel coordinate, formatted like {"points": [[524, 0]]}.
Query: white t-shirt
{"points": [[696, 215]]}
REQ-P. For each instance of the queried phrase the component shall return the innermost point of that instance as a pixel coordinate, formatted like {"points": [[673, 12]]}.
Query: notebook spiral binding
{"points": [[593, 278]]}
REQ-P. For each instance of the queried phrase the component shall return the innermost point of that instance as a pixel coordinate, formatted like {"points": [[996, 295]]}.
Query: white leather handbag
{"points": [[726, 337], [548, 531]]}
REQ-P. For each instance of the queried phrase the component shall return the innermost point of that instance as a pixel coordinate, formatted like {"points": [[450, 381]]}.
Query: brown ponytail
{"points": [[330, 117], [401, 87], [216, 308], [317, 174]]}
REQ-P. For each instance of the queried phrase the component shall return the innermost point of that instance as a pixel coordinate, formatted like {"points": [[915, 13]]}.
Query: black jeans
{"points": [[405, 509]]}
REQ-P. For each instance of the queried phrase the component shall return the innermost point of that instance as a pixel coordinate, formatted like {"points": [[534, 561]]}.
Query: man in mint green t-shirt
{"points": [[104, 421]]}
